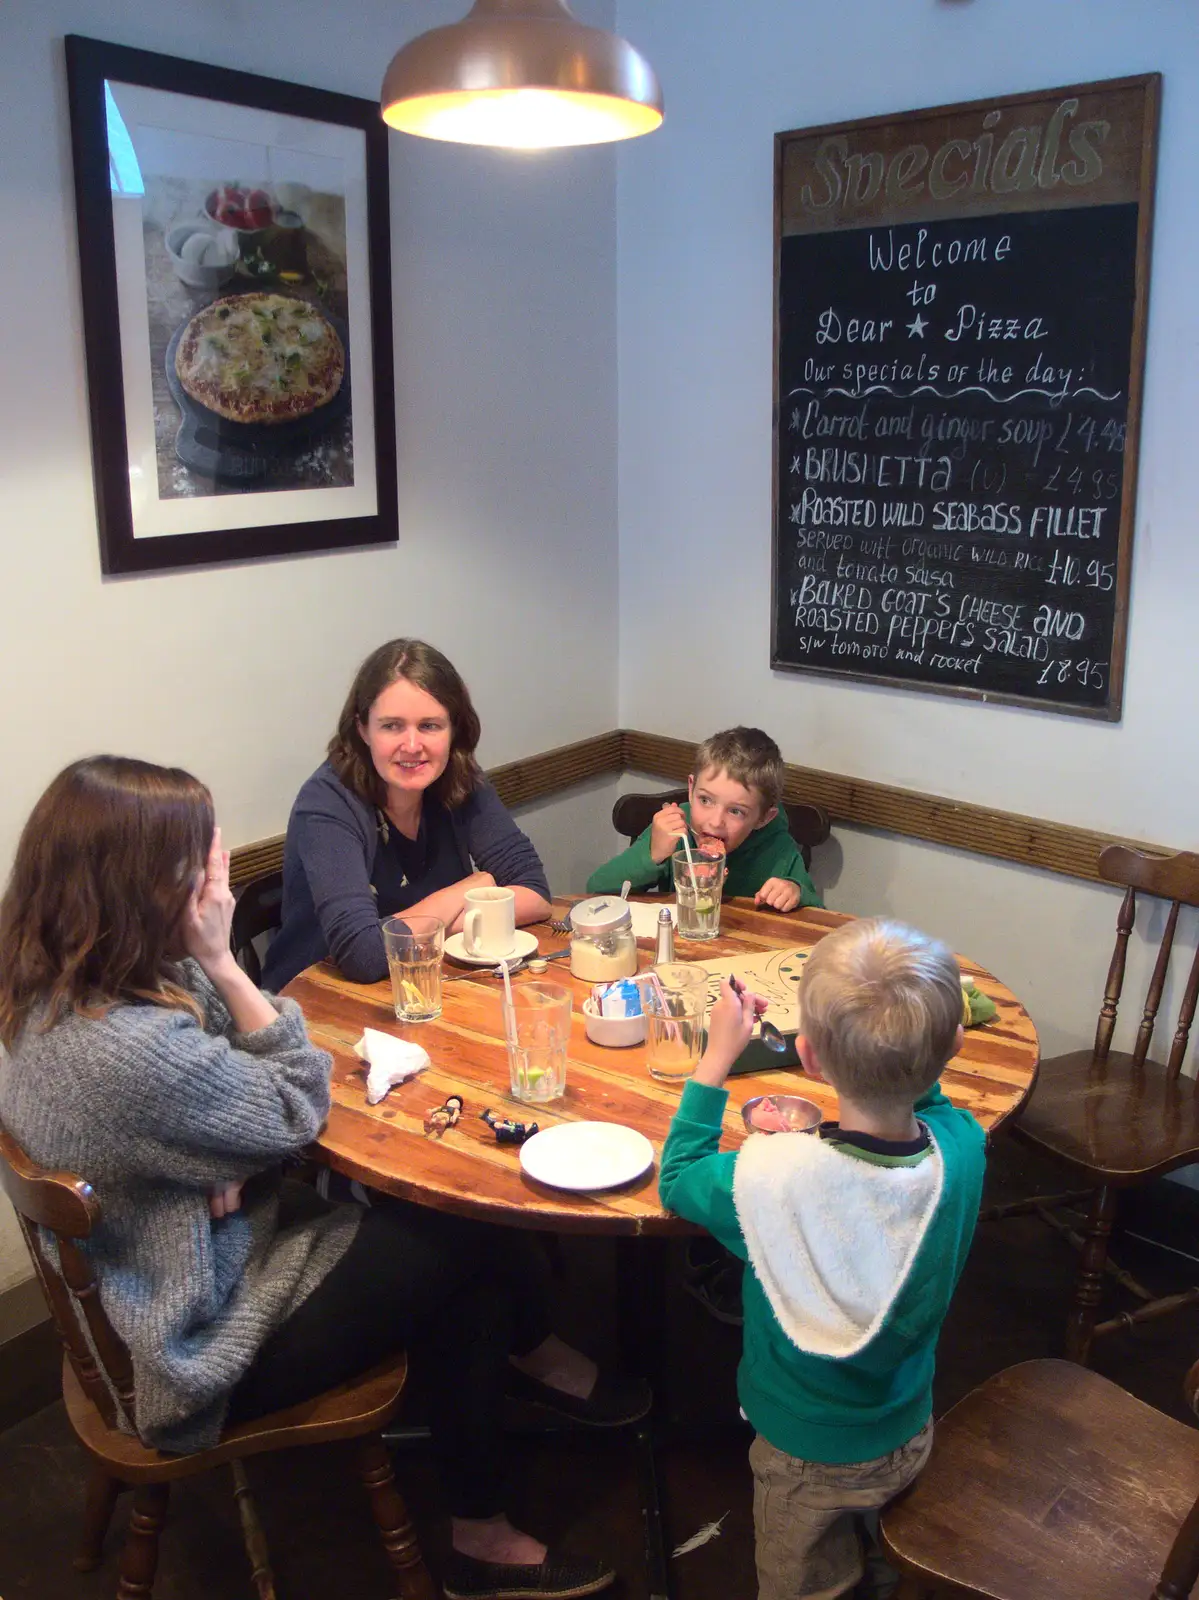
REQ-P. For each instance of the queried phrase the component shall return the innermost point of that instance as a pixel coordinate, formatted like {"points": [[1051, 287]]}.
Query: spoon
{"points": [[771, 1037]]}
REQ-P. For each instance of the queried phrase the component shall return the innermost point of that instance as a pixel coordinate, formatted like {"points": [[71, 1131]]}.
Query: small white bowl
{"points": [[202, 257], [614, 1032]]}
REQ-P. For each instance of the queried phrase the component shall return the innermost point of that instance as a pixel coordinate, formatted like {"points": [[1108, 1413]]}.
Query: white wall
{"points": [[695, 285], [504, 302]]}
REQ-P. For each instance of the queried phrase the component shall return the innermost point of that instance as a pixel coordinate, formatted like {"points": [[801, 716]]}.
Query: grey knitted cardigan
{"points": [[154, 1109]]}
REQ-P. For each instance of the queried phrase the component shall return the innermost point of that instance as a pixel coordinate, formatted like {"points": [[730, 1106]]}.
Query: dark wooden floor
{"points": [[1011, 1306]]}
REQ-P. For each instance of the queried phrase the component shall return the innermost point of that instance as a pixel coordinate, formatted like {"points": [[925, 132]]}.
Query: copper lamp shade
{"points": [[523, 74]]}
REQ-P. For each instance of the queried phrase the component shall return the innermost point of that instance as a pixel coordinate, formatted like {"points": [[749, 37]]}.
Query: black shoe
{"points": [[700, 1255], [557, 1576], [613, 1402], [719, 1291]]}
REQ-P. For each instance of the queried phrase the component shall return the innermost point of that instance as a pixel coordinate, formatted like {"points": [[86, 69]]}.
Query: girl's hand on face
{"points": [[209, 914], [730, 1024]]}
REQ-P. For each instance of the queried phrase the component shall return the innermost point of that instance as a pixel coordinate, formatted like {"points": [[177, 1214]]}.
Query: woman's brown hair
{"points": [[428, 669], [102, 876]]}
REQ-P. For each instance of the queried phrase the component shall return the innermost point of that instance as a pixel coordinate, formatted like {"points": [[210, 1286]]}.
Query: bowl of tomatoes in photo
{"points": [[240, 207]]}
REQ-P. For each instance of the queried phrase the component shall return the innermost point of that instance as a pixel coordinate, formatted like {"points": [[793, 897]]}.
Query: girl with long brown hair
{"points": [[139, 1055], [398, 818]]}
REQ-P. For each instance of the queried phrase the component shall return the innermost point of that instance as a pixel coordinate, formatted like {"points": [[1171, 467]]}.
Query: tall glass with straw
{"points": [[537, 1032], [698, 881]]}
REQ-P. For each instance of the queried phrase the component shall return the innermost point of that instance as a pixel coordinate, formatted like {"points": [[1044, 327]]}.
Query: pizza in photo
{"points": [[260, 357]]}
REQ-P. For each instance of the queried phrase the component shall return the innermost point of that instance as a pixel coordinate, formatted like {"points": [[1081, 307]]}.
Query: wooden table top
{"points": [[468, 1172]]}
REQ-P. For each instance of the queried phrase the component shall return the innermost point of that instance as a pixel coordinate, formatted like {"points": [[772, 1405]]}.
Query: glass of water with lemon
{"points": [[698, 881], [537, 1028], [414, 947]]}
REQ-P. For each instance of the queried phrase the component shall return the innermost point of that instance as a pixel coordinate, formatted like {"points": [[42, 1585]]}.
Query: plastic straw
{"points": [[671, 1030], [510, 1016], [690, 858]]}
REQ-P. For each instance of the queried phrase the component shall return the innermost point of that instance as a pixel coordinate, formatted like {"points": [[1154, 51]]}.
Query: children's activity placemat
{"points": [[773, 973]]}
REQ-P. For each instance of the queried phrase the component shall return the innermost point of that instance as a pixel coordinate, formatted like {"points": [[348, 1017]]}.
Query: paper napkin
{"points": [[390, 1061]]}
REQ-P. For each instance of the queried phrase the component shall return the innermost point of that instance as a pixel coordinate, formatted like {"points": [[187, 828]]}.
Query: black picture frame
{"points": [[197, 526]]}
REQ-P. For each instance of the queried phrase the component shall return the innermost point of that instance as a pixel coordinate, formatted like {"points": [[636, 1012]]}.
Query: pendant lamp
{"points": [[521, 74]]}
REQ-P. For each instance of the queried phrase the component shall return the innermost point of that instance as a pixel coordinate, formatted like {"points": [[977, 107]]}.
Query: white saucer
{"points": [[525, 945], [586, 1155]]}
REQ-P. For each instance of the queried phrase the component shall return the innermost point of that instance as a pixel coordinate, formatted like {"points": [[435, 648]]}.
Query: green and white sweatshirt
{"points": [[853, 1261], [768, 852]]}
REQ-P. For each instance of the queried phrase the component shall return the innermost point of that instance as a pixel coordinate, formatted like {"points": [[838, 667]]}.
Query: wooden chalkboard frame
{"points": [[891, 133]]}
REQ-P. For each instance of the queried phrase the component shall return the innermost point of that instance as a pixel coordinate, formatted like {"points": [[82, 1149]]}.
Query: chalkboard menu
{"points": [[960, 305]]}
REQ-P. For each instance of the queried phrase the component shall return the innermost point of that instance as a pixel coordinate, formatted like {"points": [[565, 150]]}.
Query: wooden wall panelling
{"points": [[907, 813], [1006, 835], [516, 782]]}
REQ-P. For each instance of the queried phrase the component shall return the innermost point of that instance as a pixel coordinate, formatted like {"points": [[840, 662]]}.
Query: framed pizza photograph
{"points": [[234, 253]]}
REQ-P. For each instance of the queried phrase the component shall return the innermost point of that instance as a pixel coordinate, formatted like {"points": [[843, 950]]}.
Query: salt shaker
{"points": [[665, 950]]}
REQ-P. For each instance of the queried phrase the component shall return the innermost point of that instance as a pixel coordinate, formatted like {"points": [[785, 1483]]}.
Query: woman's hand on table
{"points": [[730, 1023]]}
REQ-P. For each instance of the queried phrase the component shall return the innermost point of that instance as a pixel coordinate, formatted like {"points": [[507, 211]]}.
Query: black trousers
{"points": [[459, 1295]]}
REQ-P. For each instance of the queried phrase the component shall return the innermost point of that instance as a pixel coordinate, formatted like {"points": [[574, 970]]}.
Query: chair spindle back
{"points": [[1175, 878], [66, 1206]]}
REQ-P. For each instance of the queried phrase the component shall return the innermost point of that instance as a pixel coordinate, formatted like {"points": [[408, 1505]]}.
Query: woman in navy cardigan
{"points": [[399, 818]]}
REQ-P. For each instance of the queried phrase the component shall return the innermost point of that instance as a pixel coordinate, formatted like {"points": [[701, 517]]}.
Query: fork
{"points": [[560, 924]]}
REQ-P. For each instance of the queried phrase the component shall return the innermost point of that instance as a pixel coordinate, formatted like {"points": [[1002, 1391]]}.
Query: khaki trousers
{"points": [[806, 1513]]}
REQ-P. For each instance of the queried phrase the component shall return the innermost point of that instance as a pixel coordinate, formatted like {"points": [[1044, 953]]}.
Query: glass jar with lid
{"points": [[602, 945]]}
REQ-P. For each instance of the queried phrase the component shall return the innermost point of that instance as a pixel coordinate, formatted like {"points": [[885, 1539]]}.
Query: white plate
{"points": [[456, 949], [586, 1155]]}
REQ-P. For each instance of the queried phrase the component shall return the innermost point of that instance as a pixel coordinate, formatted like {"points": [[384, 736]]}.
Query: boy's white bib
{"points": [[831, 1238]]}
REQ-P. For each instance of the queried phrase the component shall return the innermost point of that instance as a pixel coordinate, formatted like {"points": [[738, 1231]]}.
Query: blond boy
{"points": [[733, 798], [855, 1240]]}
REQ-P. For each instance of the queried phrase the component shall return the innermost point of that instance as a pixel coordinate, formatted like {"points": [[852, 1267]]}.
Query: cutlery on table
{"points": [[513, 966], [771, 1037]]}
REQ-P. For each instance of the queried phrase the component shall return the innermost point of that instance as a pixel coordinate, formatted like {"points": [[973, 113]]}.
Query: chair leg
{"points": [[139, 1559], [1080, 1328], [252, 1535], [392, 1520], [102, 1493]]}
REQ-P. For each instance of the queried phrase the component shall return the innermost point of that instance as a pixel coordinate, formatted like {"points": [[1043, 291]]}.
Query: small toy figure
{"points": [[443, 1117], [506, 1130]]}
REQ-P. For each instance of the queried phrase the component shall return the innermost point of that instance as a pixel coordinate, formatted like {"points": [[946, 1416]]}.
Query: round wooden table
{"points": [[466, 1171]]}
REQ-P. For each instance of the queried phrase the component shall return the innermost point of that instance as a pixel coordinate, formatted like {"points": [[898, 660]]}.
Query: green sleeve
{"points": [[935, 1106], [636, 864], [696, 1177]]}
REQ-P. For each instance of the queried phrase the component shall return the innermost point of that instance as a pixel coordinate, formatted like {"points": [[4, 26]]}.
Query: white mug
{"points": [[489, 926]]}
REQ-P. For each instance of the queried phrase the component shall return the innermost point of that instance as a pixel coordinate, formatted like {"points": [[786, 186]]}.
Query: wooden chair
{"points": [[1050, 1483], [98, 1392], [809, 825], [1116, 1119], [259, 910]]}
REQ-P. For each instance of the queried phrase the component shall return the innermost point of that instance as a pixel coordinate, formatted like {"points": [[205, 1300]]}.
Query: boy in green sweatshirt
{"points": [[855, 1241], [733, 801]]}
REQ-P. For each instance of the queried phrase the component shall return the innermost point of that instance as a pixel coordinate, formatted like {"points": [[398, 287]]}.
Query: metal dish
{"points": [[781, 1113]]}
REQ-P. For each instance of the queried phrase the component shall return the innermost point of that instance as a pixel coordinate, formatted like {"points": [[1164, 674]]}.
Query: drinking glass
{"points": [[697, 886], [414, 946], [674, 1008], [537, 1028]]}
